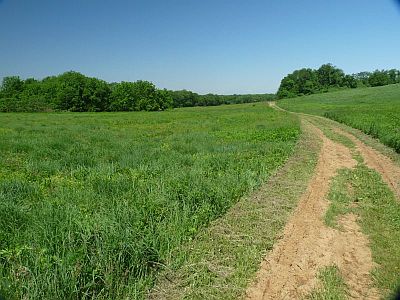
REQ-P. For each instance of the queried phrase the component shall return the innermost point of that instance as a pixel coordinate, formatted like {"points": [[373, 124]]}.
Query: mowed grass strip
{"points": [[362, 191], [222, 261], [332, 285], [92, 204], [375, 111]]}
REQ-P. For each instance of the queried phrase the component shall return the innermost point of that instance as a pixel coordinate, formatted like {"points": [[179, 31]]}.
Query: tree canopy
{"points": [[328, 77], [73, 91]]}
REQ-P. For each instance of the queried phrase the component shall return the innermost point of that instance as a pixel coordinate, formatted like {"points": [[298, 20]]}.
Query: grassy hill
{"points": [[375, 111]]}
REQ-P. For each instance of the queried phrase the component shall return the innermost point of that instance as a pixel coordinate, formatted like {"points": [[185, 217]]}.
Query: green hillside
{"points": [[375, 111]]}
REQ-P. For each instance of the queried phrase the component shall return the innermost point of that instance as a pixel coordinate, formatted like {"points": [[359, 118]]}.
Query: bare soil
{"points": [[290, 270]]}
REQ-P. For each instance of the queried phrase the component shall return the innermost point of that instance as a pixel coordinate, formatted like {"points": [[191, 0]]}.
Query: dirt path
{"points": [[389, 171], [373, 159], [290, 270]]}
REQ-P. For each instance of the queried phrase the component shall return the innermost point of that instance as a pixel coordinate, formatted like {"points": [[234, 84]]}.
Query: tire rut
{"points": [[389, 171], [374, 160], [290, 270]]}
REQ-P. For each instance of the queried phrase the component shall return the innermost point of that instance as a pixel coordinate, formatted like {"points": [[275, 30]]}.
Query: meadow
{"points": [[375, 111], [92, 204]]}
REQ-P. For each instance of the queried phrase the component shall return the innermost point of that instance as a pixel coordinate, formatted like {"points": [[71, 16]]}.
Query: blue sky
{"points": [[219, 46]]}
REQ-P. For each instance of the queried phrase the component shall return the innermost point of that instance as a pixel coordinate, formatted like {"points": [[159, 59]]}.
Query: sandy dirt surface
{"points": [[308, 245]]}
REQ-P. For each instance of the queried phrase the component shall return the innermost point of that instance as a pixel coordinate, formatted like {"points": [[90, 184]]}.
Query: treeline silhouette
{"points": [[328, 77], [72, 91]]}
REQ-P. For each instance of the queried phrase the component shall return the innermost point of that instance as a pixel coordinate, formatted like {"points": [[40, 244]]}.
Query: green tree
{"points": [[379, 78], [362, 78], [139, 95], [96, 95], [349, 81], [288, 88], [164, 99], [306, 81], [184, 98], [11, 86], [330, 76], [70, 88], [145, 96], [122, 97], [394, 76]]}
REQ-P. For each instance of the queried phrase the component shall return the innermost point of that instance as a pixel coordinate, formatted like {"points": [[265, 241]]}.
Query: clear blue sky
{"points": [[219, 46]]}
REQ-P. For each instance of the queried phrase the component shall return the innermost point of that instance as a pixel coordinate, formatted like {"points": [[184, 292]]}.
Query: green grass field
{"points": [[375, 111], [92, 204]]}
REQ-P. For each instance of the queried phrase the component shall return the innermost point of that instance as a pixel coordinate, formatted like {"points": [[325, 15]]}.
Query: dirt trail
{"points": [[290, 270], [389, 171]]}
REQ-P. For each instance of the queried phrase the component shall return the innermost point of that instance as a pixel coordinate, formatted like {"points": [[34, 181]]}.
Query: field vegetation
{"points": [[222, 260], [375, 111], [110, 205], [92, 204]]}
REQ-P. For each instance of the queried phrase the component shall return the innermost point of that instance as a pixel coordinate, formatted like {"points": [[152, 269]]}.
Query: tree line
{"points": [[73, 91], [328, 77], [184, 98]]}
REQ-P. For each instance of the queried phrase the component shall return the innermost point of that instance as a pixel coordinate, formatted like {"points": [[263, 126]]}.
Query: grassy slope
{"points": [[375, 111], [92, 204]]}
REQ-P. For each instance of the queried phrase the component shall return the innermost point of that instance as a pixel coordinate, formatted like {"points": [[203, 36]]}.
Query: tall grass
{"points": [[92, 204]]}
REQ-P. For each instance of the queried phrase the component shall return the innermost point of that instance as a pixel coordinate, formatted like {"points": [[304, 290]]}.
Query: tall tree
{"points": [[379, 78], [330, 76], [11, 86]]}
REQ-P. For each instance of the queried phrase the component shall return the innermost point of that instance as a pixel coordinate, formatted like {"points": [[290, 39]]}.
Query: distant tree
{"points": [[394, 76], [96, 95], [11, 86], [326, 77], [306, 81], [288, 88], [300, 82], [379, 78], [362, 78], [70, 89], [184, 98], [76, 92], [145, 96], [164, 99], [139, 95], [209, 100], [349, 81], [330, 76], [30, 81], [122, 97]]}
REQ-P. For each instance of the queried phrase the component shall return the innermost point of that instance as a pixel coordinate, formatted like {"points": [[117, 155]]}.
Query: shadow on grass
{"points": [[396, 295]]}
